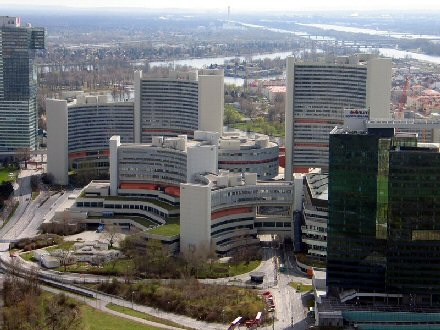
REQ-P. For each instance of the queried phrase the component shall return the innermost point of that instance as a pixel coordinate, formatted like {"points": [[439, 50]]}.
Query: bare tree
{"points": [[23, 155], [63, 255], [111, 234]]}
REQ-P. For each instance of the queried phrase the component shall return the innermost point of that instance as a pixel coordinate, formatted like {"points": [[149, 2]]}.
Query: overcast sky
{"points": [[240, 5]]}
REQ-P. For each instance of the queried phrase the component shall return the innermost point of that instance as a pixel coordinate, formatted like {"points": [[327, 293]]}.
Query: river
{"points": [[397, 35], [199, 63], [387, 52]]}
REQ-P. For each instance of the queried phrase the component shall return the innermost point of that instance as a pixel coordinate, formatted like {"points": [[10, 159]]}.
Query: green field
{"points": [[166, 230], [96, 320], [145, 316], [262, 126], [301, 287], [28, 256], [121, 266], [4, 174]]}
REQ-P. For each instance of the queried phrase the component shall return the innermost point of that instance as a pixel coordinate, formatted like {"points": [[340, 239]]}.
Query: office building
{"points": [[18, 84], [169, 180], [78, 134], [318, 93], [178, 103], [383, 232], [384, 225]]}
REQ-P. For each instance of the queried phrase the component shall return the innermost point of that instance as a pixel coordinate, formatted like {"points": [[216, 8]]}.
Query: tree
{"points": [[63, 255], [23, 155], [111, 234], [232, 116], [6, 189]]}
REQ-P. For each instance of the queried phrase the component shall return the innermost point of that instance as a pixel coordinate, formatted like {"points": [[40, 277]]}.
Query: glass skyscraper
{"points": [[384, 215], [18, 84]]}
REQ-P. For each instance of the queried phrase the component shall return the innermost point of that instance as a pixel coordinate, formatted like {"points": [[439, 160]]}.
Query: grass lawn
{"points": [[35, 194], [148, 317], [166, 230], [120, 268], [65, 245], [242, 267], [218, 270], [28, 256], [4, 174], [262, 126], [97, 320], [301, 287]]}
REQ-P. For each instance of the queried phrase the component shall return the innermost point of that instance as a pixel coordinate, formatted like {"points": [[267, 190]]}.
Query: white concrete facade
{"points": [[57, 140], [318, 93], [115, 143], [195, 210], [211, 100]]}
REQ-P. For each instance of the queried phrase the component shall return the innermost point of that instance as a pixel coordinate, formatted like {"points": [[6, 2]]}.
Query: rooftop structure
{"points": [[240, 154]]}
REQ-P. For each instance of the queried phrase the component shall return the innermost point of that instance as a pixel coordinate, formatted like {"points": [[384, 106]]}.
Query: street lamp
{"points": [[132, 304]]}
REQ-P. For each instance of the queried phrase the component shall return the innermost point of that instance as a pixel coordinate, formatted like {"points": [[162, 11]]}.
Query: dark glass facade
{"points": [[355, 258], [18, 86], [413, 245], [384, 215]]}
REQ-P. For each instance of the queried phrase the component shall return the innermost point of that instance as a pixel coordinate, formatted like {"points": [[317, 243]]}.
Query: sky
{"points": [[241, 5]]}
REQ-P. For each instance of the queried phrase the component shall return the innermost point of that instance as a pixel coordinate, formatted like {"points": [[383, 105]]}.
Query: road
{"points": [[30, 213]]}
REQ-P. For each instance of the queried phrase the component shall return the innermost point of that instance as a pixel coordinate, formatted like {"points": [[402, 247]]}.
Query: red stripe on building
{"points": [[224, 213], [248, 162], [318, 121], [316, 145]]}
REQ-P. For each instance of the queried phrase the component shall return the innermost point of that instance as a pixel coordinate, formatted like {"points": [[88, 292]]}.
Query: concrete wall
{"points": [[211, 100], [201, 159], [289, 117], [195, 219], [115, 142], [57, 140], [137, 106], [379, 87]]}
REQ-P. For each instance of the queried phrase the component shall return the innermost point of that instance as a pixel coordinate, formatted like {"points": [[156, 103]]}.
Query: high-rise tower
{"points": [[18, 84], [318, 93]]}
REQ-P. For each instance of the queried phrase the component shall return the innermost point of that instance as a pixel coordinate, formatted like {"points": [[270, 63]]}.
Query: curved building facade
{"points": [[78, 134], [239, 154], [227, 210]]}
